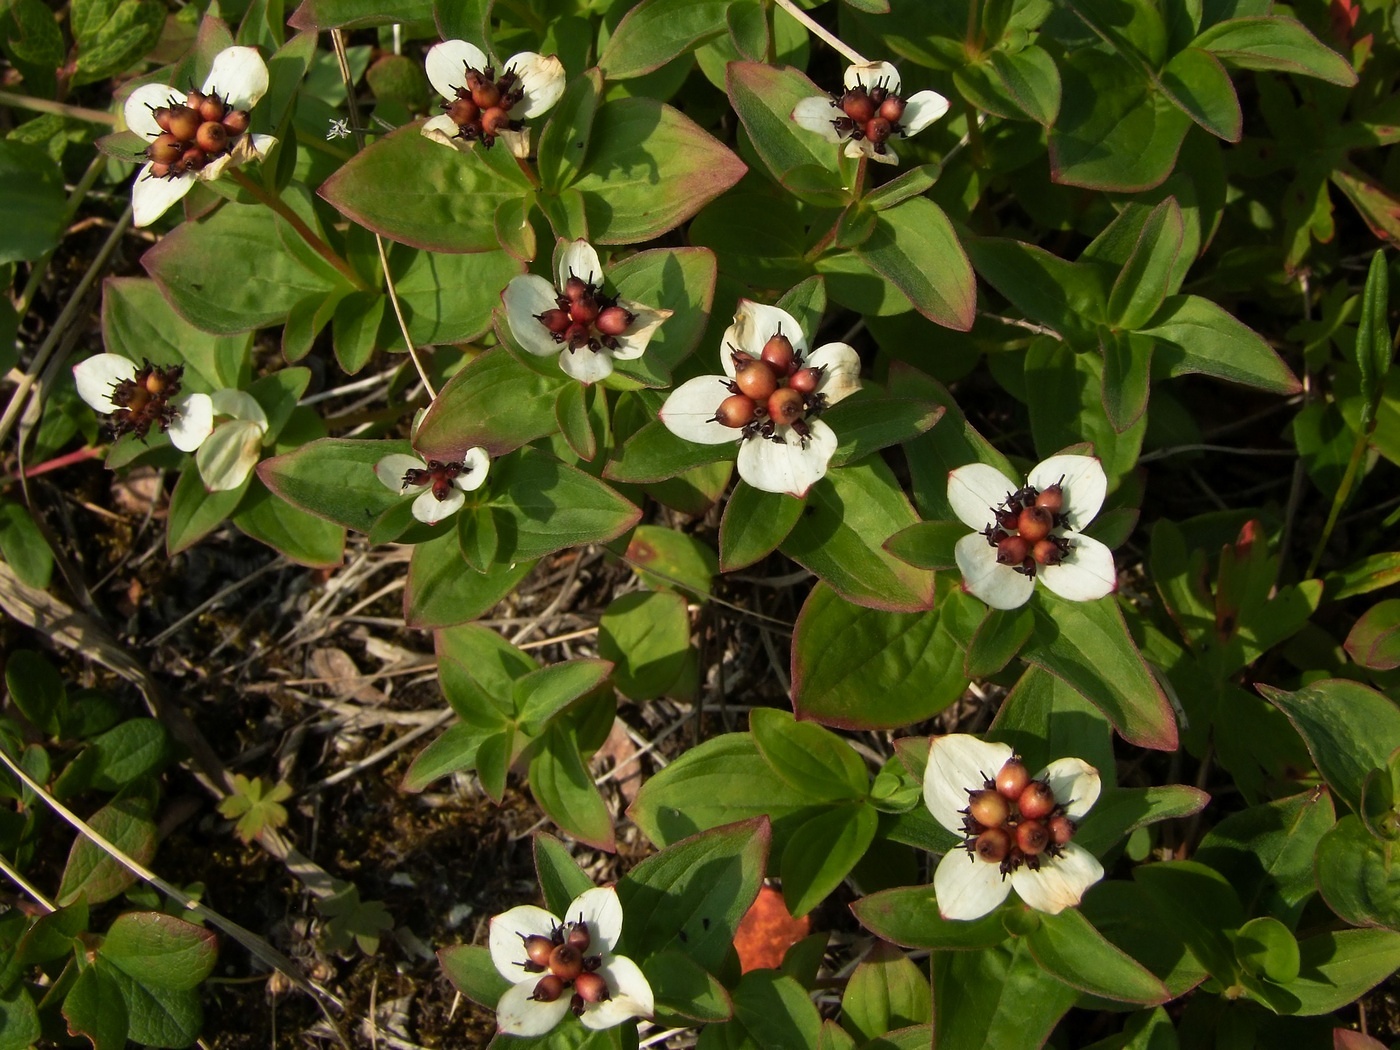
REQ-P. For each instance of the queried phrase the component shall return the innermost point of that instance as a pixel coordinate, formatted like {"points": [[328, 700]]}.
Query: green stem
{"points": [[304, 231], [63, 109], [1358, 452], [821, 33]]}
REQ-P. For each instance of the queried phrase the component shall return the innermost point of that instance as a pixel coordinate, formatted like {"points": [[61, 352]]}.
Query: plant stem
{"points": [[338, 40], [24, 884], [822, 33], [62, 109], [304, 231], [1358, 452]]}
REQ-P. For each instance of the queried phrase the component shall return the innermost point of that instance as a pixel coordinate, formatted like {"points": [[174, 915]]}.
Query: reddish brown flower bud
{"points": [[556, 320], [579, 937], [1032, 837], [575, 288], [1052, 498], [778, 353], [1061, 829], [584, 310], [538, 949], [785, 405], [463, 111], [236, 121], [195, 99], [1047, 552], [1012, 778], [211, 137], [756, 380], [494, 120], [159, 171], [486, 94], [212, 108], [548, 989], [805, 380], [992, 845], [988, 808], [193, 159], [736, 411], [577, 335], [1036, 801], [566, 962], [614, 320], [164, 149], [878, 130], [183, 123], [162, 117], [1012, 550], [857, 105], [591, 988], [1035, 523], [892, 109]]}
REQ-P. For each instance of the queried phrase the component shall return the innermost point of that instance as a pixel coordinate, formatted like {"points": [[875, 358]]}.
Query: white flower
{"points": [[187, 145], [870, 112], [1032, 532], [785, 448], [544, 991], [572, 315], [229, 454], [972, 880], [441, 486], [138, 398], [482, 106]]}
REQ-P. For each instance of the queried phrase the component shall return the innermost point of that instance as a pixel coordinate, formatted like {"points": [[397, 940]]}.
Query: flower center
{"points": [[144, 400], [192, 133], [1022, 528], [869, 113], [775, 389], [564, 960], [437, 474], [482, 107], [1013, 820], [584, 316]]}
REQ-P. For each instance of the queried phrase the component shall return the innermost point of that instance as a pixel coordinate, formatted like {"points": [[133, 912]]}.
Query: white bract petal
{"points": [[476, 464], [1076, 785], [441, 129], [517, 143], [239, 75], [543, 81], [1000, 586], [391, 470], [96, 377], [864, 147], [816, 113], [228, 455], [578, 259], [602, 910], [139, 108], [754, 324], [689, 412], [791, 465], [194, 420], [958, 763], [632, 343], [975, 490], [841, 377], [968, 887], [525, 298], [1087, 573], [921, 109], [631, 995], [430, 510], [517, 1012], [447, 64], [151, 196], [585, 365], [248, 148], [504, 939], [1061, 881], [239, 404], [1084, 484], [872, 74]]}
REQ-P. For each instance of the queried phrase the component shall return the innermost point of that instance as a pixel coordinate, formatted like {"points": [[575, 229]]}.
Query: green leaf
{"points": [[764, 97], [447, 298], [994, 997], [647, 637], [1196, 336], [161, 950], [754, 524], [256, 804], [869, 421], [1070, 949], [1087, 645], [231, 272], [35, 207], [452, 752], [563, 786], [443, 200], [1373, 346], [137, 322], [683, 987], [668, 560], [1357, 876], [1121, 811], [1374, 640], [678, 279], [91, 871], [1349, 729], [822, 852], [303, 537], [1127, 376], [1024, 84], [23, 546], [127, 752], [759, 238], [653, 453], [1200, 906], [444, 590], [333, 478], [113, 34], [848, 514], [999, 637], [495, 402], [1125, 915], [317, 15], [51, 936], [1201, 88], [1266, 948], [775, 1010], [1115, 131], [544, 506], [655, 31], [649, 168], [350, 920], [911, 183], [561, 879], [928, 544], [810, 759], [839, 648], [1275, 42], [1068, 297], [564, 141], [95, 1008], [471, 971], [33, 36], [1147, 276], [691, 896], [1335, 969], [886, 991], [37, 690], [539, 695], [915, 249], [19, 1020]]}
